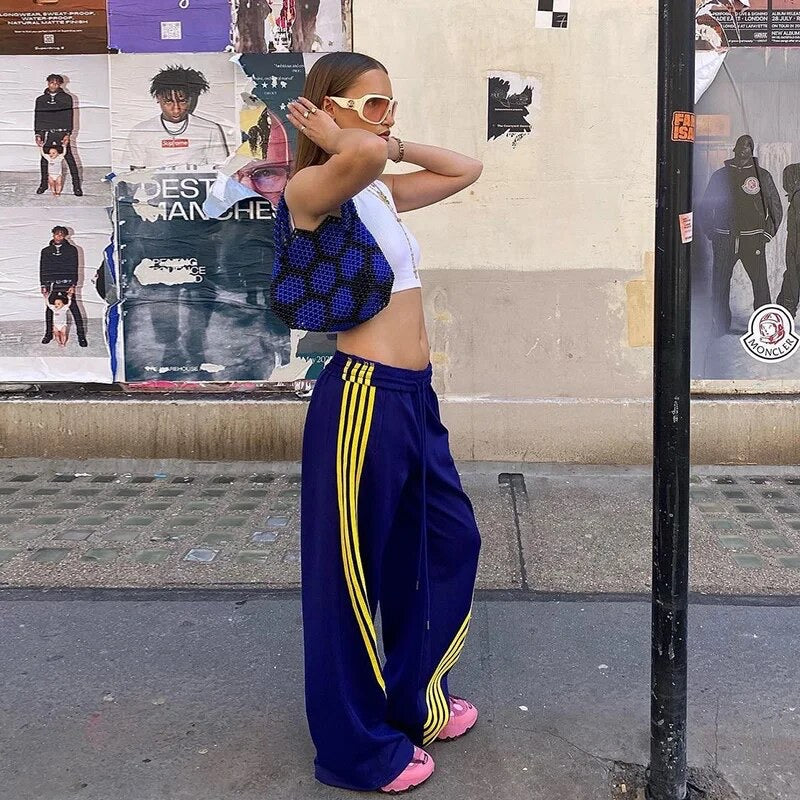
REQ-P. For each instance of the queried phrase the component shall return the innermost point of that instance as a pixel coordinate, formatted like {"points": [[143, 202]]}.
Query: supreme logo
{"points": [[174, 143]]}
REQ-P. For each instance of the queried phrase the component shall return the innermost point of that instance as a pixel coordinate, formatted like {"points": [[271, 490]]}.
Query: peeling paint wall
{"points": [[538, 278]]}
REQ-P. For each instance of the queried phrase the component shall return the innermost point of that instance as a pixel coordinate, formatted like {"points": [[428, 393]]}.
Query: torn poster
{"points": [[511, 98], [195, 290], [552, 13], [291, 26]]}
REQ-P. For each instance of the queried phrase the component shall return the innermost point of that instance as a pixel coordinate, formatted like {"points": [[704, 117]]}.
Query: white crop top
{"points": [[393, 237]]}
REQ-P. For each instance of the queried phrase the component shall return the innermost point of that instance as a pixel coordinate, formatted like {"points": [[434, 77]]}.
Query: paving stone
{"points": [[244, 505], [701, 494], [792, 481], [86, 492], [26, 504], [104, 479], [223, 479], [250, 556], [792, 562], [94, 520], [183, 479], [294, 479], [255, 493], [9, 519], [289, 493], [112, 505], [217, 539], [50, 555], [7, 555], [735, 494], [277, 522], [230, 521], [794, 524], [266, 478], [103, 555], [151, 556], [127, 492], [746, 509], [292, 557], [8, 489], [722, 479], [749, 561], [142, 479], [761, 524], [156, 505], [774, 495], [23, 534], [120, 535], [76, 534], [695, 479], [170, 492], [264, 537], [777, 542], [67, 504], [185, 520], [722, 523], [24, 478], [759, 480], [734, 542], [138, 522], [712, 508], [46, 491], [201, 555], [47, 520], [198, 505], [214, 492], [787, 509], [63, 478]]}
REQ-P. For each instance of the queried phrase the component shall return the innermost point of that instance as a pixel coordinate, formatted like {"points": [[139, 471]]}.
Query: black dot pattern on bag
{"points": [[329, 279]]}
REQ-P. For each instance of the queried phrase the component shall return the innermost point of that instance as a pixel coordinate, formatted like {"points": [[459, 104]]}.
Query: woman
{"points": [[385, 521]]}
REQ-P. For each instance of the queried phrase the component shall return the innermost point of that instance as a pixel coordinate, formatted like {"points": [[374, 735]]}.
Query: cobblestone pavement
{"points": [[553, 528], [133, 524]]}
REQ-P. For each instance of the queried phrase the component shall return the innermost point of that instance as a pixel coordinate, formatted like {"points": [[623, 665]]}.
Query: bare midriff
{"points": [[395, 337]]}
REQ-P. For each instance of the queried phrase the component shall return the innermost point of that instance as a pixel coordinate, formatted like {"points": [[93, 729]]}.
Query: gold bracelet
{"points": [[402, 150]]}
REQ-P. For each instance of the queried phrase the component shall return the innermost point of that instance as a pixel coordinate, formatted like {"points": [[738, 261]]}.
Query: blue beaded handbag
{"points": [[330, 279]]}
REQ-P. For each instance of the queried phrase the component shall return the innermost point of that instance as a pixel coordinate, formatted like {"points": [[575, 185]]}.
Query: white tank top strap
{"points": [[376, 209]]}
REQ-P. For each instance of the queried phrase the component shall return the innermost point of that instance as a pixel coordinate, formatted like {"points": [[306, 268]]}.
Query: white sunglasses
{"points": [[372, 108]]}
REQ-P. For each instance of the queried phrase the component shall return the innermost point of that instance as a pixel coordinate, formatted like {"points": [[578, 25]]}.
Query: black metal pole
{"points": [[676, 131]]}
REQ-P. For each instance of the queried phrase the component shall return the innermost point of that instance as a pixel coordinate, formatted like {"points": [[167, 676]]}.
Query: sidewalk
{"points": [[545, 528], [149, 614], [174, 700]]}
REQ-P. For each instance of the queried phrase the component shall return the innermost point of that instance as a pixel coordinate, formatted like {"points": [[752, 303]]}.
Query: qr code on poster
{"points": [[171, 30], [49, 38]]}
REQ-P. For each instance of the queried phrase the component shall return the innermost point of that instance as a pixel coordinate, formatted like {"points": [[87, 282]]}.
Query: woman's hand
{"points": [[314, 123]]}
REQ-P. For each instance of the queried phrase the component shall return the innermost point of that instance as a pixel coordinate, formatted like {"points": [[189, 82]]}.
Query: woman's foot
{"points": [[419, 769], [463, 715]]}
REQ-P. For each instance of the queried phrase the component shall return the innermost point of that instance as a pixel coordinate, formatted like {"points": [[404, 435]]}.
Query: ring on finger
{"points": [[306, 113], [303, 128]]}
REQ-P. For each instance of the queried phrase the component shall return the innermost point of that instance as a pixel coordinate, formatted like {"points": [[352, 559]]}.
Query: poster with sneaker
{"points": [[169, 26], [55, 145], [52, 327], [53, 27], [291, 26]]}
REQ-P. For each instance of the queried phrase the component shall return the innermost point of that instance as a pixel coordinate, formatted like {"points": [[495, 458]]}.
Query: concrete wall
{"points": [[538, 280]]}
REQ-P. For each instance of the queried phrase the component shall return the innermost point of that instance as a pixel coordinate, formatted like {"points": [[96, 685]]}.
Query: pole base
{"points": [[629, 782]]}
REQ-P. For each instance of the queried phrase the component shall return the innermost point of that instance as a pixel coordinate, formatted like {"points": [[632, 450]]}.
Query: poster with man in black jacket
{"points": [[740, 214], [58, 272], [53, 124]]}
